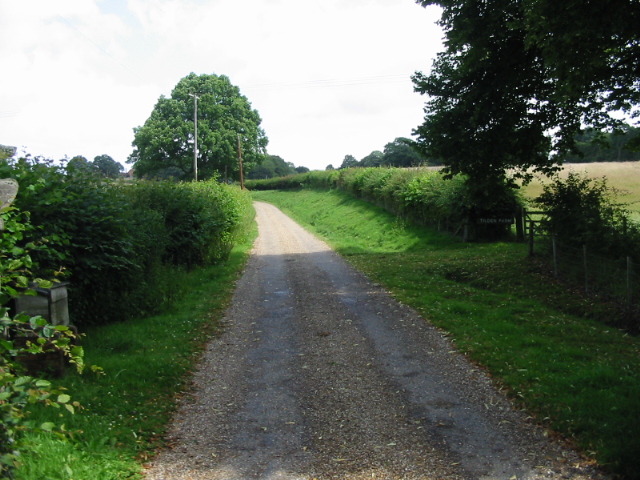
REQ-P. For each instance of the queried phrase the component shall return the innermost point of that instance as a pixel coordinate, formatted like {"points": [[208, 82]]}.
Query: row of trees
{"points": [[102, 164], [519, 80], [598, 146], [402, 152]]}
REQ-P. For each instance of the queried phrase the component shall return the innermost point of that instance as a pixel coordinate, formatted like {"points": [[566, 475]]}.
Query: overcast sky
{"points": [[329, 77]]}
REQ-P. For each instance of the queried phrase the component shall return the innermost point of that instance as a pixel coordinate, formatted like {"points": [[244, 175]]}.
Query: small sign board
{"points": [[496, 221]]}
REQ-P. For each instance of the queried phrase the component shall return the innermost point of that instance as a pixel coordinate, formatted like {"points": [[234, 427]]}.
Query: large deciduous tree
{"points": [[166, 141], [402, 152], [107, 166], [349, 161], [519, 79]]}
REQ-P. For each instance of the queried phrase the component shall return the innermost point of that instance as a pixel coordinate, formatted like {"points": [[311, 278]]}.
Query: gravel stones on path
{"points": [[320, 374]]}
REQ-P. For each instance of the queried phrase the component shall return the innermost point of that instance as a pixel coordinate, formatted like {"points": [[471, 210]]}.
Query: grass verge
{"points": [[146, 363], [575, 375]]}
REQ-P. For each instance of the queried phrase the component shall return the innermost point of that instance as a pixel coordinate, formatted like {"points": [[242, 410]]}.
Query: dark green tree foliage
{"points": [[515, 70], [598, 146], [272, 166], [349, 161], [78, 164], [374, 159], [165, 141], [482, 116], [592, 51], [403, 152], [107, 166]]}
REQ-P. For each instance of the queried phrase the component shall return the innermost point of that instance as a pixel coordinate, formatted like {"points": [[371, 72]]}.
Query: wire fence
{"points": [[617, 280]]}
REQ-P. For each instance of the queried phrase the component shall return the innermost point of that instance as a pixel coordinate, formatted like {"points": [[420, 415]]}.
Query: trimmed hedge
{"points": [[118, 244], [422, 195]]}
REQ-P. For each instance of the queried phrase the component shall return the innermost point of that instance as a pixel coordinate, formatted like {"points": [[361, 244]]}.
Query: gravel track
{"points": [[321, 374]]}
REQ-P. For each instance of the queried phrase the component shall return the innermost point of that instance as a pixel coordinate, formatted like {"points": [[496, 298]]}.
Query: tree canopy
{"points": [[519, 79], [166, 140], [598, 146], [349, 161], [402, 152], [107, 166]]}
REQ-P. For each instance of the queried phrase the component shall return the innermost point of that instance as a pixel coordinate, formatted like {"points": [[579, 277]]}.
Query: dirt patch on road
{"points": [[320, 374]]}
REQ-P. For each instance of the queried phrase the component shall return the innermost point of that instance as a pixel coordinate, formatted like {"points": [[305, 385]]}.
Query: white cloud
{"points": [[329, 78]]}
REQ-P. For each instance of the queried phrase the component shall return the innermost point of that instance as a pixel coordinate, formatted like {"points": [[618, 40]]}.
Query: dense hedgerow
{"points": [[422, 195], [113, 241]]}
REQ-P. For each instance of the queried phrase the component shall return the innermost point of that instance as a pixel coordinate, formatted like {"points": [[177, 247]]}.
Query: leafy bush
{"points": [[112, 241], [198, 219], [25, 336], [84, 232], [583, 211]]}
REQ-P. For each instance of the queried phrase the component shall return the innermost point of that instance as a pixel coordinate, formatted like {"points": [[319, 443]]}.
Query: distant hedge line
{"points": [[121, 245], [580, 211], [419, 194]]}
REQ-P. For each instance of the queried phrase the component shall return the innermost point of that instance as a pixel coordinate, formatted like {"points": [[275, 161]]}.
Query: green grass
{"points": [[146, 366], [576, 375]]}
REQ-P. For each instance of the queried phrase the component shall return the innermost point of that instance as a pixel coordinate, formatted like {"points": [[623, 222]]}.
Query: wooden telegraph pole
{"points": [[195, 135], [240, 163]]}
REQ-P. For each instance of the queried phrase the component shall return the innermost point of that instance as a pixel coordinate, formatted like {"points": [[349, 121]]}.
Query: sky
{"points": [[329, 78]]}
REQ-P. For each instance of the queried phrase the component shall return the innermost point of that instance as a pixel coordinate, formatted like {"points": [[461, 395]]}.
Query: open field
{"points": [[624, 176]]}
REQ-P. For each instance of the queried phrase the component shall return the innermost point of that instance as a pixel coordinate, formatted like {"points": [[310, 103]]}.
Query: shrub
{"points": [[198, 219], [113, 241], [584, 211], [20, 337]]}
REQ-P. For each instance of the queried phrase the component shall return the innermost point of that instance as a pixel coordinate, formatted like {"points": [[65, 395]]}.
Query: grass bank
{"points": [[575, 374], [146, 365]]}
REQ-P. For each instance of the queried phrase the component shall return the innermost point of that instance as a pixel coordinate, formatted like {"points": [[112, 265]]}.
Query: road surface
{"points": [[320, 374]]}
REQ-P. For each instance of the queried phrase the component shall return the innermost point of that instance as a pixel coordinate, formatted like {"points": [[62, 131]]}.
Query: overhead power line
{"points": [[335, 82]]}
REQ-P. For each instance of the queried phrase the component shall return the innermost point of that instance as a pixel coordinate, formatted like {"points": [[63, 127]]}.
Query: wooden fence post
{"points": [[629, 286], [555, 255], [586, 270], [520, 213], [531, 234]]}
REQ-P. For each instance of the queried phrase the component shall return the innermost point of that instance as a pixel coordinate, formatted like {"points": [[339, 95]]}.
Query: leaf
{"points": [[22, 381], [47, 426], [63, 398]]}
